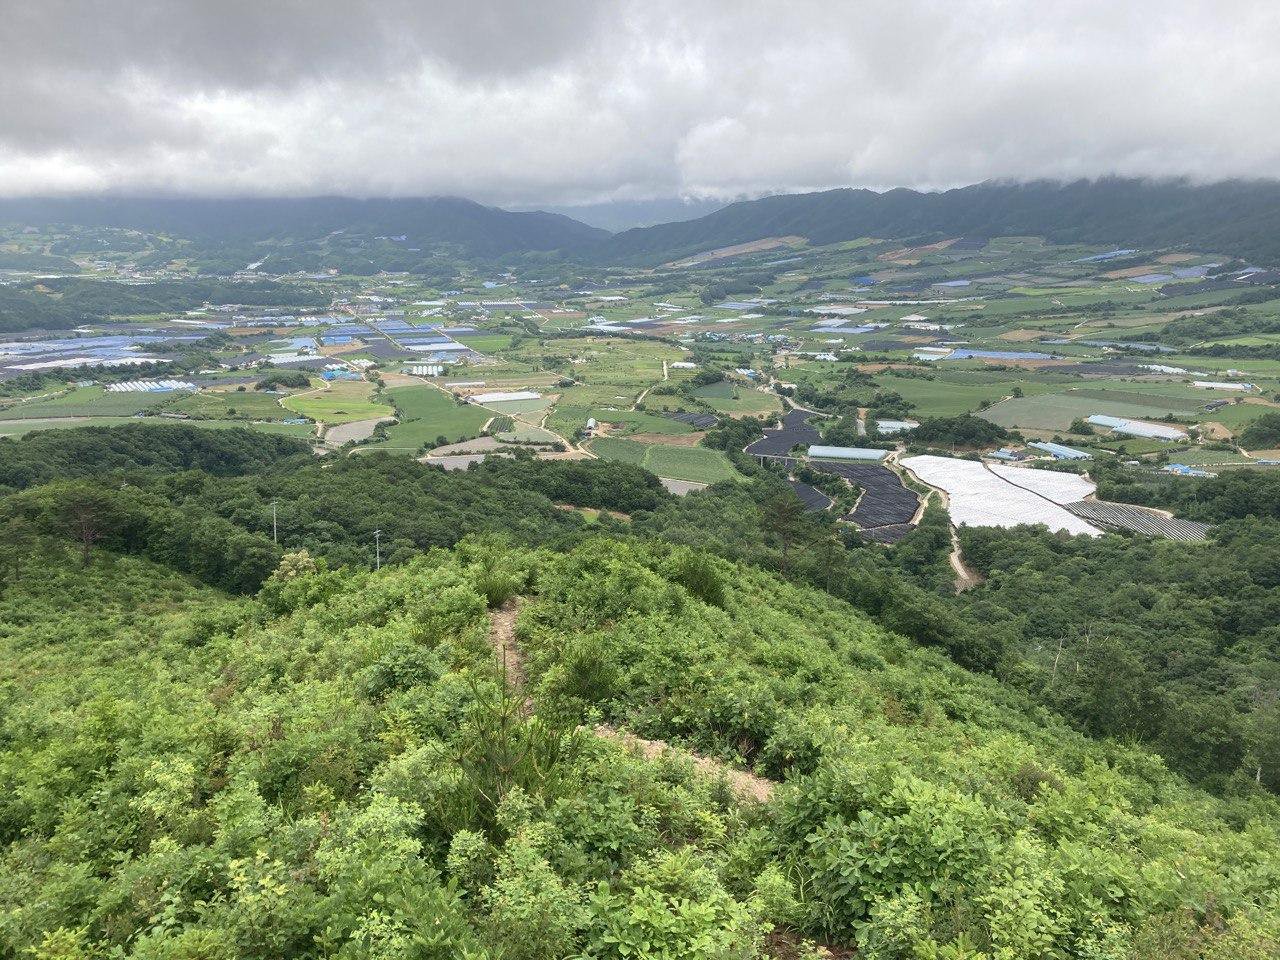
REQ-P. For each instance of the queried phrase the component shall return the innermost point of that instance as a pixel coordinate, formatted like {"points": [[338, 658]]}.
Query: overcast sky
{"points": [[566, 101]]}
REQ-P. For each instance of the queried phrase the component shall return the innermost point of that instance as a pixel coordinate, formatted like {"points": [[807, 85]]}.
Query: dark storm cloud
{"points": [[578, 100]]}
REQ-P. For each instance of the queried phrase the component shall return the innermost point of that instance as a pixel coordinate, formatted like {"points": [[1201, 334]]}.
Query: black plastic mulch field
{"points": [[795, 431], [814, 500], [884, 502]]}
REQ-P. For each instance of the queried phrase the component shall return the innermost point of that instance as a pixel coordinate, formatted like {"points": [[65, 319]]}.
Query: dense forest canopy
{"points": [[80, 451]]}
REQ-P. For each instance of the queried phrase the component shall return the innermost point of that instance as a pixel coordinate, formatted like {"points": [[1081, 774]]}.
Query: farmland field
{"points": [[485, 342], [523, 433], [1135, 446], [614, 448], [87, 402], [942, 398], [738, 400], [1236, 415], [1171, 404], [251, 404], [339, 402], [567, 418], [1055, 411], [514, 407], [696, 464], [1211, 458], [17, 428], [426, 414], [300, 430]]}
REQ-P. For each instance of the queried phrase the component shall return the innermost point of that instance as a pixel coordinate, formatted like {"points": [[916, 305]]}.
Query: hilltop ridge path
{"points": [[502, 637]]}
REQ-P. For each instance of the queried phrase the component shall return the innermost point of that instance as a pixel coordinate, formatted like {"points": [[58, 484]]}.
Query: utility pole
{"points": [[377, 547], [275, 530]]}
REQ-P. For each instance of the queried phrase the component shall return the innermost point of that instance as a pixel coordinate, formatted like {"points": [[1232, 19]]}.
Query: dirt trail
{"points": [[966, 578], [502, 637], [746, 785]]}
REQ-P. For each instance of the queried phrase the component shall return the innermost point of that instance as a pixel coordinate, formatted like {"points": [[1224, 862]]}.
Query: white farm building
{"points": [[1223, 385], [1138, 428], [502, 397]]}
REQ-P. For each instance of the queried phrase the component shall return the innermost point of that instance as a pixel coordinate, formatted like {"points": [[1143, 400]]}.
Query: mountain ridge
{"points": [[1236, 217], [480, 229]]}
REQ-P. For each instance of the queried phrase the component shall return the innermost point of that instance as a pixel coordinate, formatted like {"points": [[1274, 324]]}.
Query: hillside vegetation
{"points": [[336, 768], [1170, 645], [226, 738]]}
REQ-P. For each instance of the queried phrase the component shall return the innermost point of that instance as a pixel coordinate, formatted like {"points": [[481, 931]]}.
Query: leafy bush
{"points": [[283, 378], [965, 430]]}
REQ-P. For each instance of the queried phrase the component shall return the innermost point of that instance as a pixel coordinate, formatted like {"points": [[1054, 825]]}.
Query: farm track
{"points": [[966, 577], [745, 785], [502, 637]]}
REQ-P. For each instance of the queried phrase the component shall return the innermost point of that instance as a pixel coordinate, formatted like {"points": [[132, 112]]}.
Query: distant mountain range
{"points": [[426, 221], [1237, 218]]}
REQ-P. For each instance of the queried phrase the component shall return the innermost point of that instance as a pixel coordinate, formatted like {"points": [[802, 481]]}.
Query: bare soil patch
{"points": [[1022, 336], [1130, 272], [1215, 431], [912, 255], [355, 430]]}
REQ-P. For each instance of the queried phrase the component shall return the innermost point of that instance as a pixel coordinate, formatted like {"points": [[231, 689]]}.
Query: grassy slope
{"points": [[88, 402], [254, 404], [738, 400]]}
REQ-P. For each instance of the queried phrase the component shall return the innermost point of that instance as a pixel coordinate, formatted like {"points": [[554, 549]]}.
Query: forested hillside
{"points": [[64, 303], [1241, 218], [131, 448]]}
